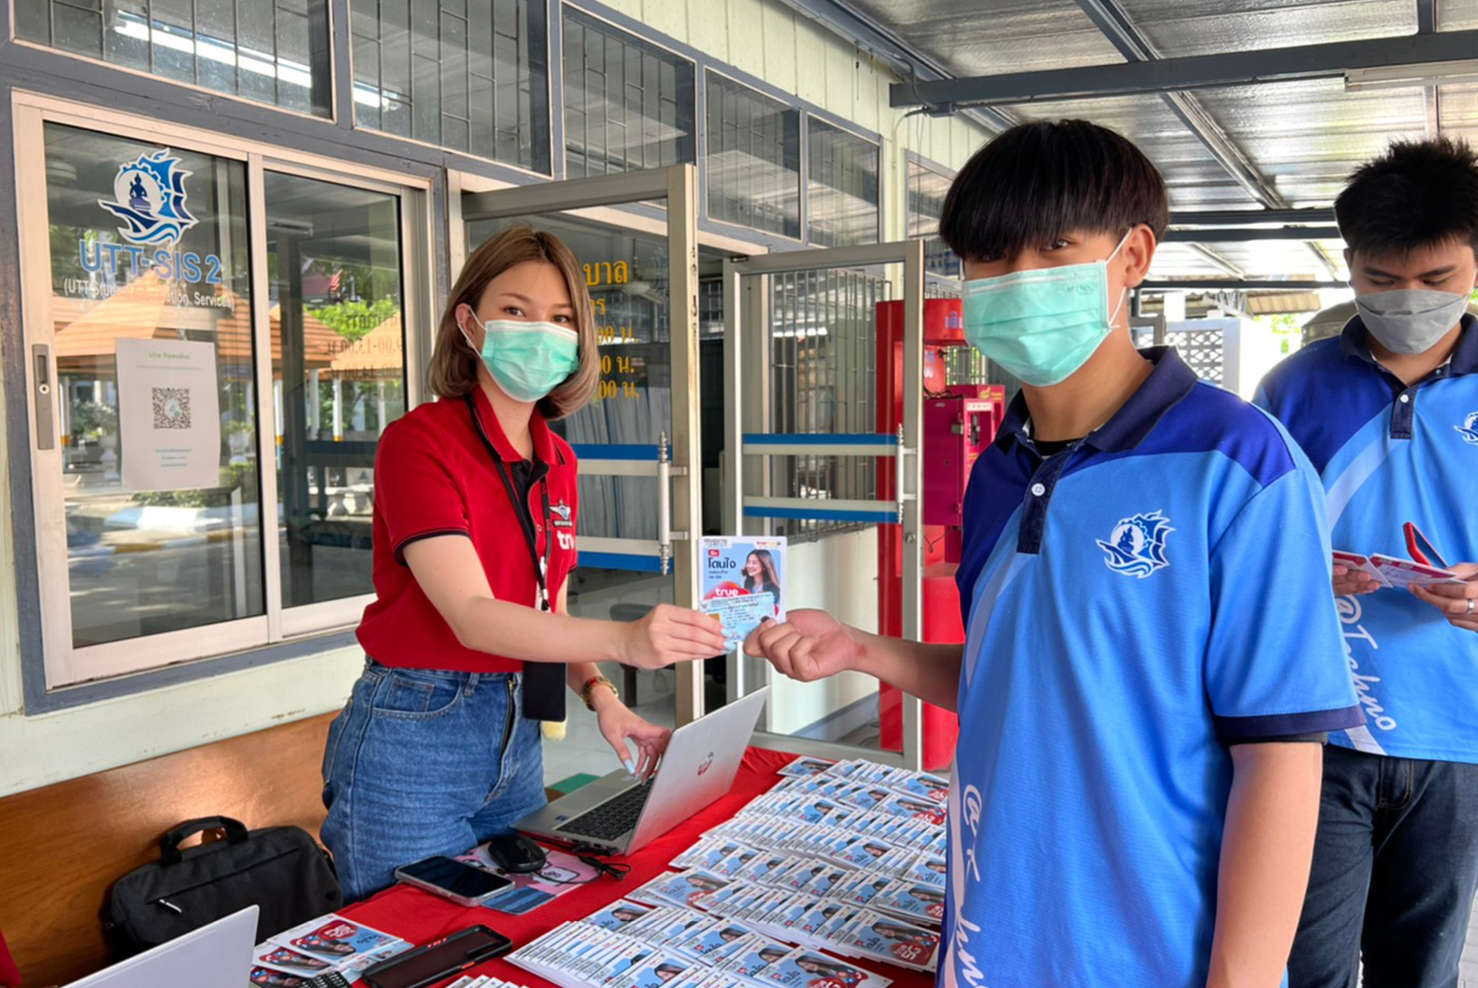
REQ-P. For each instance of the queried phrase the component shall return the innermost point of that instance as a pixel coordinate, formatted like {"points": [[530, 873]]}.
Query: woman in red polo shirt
{"points": [[469, 643]]}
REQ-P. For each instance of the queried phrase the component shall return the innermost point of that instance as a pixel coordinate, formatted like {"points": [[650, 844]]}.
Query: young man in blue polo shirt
{"points": [[1388, 413], [1145, 581]]}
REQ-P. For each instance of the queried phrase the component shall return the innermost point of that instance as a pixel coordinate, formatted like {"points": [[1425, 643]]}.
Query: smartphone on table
{"points": [[462, 883], [438, 960]]}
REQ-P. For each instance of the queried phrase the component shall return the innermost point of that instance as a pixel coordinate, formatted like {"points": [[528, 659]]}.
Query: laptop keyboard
{"points": [[612, 818]]}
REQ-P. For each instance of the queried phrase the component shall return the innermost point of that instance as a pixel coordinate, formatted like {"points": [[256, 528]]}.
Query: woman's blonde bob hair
{"points": [[454, 365]]}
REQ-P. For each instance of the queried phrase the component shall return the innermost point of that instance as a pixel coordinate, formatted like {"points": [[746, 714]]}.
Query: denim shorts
{"points": [[423, 762]]}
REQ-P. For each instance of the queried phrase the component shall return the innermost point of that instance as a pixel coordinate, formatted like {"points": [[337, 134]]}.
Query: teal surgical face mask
{"points": [[527, 359], [1410, 320], [1042, 325]]}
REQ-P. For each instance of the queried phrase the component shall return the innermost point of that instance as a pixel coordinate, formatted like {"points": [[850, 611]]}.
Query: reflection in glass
{"points": [[927, 190], [152, 557], [338, 371], [274, 51], [754, 159], [628, 104], [843, 187], [470, 75]]}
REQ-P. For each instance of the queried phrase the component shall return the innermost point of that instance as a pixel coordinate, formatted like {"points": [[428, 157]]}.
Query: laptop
{"points": [[618, 816], [218, 955]]}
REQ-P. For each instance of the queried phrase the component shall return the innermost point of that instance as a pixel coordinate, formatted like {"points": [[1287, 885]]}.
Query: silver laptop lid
{"points": [[217, 955], [700, 765]]}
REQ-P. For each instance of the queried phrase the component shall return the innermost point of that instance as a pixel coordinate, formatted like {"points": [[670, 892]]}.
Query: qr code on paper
{"points": [[171, 408]]}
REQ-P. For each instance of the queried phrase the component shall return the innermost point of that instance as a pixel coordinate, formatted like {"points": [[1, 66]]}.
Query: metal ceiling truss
{"points": [[1219, 259], [1241, 235], [1318, 216], [1236, 68], [1235, 285]]}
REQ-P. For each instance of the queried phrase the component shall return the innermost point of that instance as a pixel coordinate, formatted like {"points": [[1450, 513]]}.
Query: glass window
{"points": [[152, 317], [274, 51], [926, 191], [629, 105], [338, 374], [470, 75], [754, 159], [843, 187]]}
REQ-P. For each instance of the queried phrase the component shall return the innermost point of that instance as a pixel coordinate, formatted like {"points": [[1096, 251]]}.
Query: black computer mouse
{"points": [[515, 854]]}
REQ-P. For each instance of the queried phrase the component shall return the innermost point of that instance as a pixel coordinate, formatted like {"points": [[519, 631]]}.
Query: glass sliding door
{"points": [[338, 374]]}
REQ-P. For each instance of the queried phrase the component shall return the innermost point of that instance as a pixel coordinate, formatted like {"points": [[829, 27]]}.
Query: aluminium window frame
{"points": [[729, 74], [852, 130], [553, 90], [643, 38]]}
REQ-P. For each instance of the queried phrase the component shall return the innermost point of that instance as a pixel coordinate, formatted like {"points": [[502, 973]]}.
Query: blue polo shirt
{"points": [[1389, 454], [1131, 603]]}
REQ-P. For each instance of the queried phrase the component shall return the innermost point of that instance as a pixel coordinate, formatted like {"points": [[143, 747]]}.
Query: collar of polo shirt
{"points": [[1464, 359], [1167, 386]]}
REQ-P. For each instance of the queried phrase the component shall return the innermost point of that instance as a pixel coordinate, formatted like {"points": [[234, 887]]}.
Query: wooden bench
{"points": [[62, 846]]}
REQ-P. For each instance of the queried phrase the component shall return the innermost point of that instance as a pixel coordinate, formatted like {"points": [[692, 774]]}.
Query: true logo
{"points": [[561, 515], [1137, 545], [151, 200], [706, 764], [1469, 429]]}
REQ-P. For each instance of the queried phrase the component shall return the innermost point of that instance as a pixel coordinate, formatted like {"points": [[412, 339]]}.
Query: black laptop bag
{"points": [[282, 870]]}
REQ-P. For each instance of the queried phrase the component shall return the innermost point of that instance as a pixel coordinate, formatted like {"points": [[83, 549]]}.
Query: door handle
{"points": [[42, 397]]}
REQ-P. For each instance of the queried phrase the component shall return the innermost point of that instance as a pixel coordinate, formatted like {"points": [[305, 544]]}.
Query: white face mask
{"points": [[1410, 320]]}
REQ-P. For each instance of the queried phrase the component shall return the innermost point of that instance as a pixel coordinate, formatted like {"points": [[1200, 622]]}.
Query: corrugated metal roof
{"points": [[1301, 138], [1200, 27], [1012, 36], [1308, 136]]}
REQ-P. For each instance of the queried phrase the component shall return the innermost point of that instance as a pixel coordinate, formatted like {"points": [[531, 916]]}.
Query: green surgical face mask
{"points": [[1042, 325], [527, 359]]}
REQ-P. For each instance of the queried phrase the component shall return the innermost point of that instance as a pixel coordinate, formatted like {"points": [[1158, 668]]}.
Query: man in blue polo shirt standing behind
{"points": [[1388, 413], [1145, 575]]}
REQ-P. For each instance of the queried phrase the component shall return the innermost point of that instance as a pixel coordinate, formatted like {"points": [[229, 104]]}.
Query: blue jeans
{"points": [[1395, 868], [423, 762]]}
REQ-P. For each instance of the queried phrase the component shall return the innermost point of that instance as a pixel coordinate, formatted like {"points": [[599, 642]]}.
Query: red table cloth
{"points": [[9, 976], [419, 916]]}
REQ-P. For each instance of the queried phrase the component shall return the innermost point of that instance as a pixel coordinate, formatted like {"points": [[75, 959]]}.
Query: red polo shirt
{"points": [[435, 476]]}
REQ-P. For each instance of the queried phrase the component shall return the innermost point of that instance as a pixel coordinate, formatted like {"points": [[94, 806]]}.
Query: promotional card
{"points": [[743, 581]]}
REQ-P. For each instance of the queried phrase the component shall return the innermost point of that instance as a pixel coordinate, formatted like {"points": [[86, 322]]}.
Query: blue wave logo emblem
{"points": [[1137, 545], [151, 200], [1469, 429]]}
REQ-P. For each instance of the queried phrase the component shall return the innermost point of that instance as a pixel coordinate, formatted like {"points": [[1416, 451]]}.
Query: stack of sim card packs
{"points": [[846, 858]]}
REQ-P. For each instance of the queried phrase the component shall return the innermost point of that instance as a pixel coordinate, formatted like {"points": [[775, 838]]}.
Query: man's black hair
{"points": [[1417, 194], [1040, 180]]}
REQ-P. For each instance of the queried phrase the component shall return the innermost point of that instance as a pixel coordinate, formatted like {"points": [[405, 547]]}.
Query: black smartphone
{"points": [[439, 959], [464, 884]]}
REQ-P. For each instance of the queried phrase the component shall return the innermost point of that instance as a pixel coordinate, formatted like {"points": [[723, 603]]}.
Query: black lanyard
{"points": [[542, 681]]}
